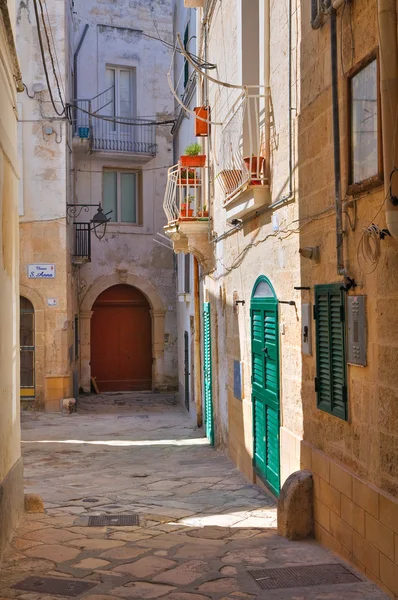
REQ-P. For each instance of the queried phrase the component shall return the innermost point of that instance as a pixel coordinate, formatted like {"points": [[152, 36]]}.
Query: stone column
{"points": [[158, 319], [85, 349]]}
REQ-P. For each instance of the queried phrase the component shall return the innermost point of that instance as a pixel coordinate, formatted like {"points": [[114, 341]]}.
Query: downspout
{"points": [[267, 78], [387, 16], [336, 142], [75, 57]]}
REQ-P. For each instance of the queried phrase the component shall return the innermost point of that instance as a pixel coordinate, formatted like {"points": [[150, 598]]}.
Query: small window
{"points": [[120, 91], [364, 134], [120, 195], [331, 377]]}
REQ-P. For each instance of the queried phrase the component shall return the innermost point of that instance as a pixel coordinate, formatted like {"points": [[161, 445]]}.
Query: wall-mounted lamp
{"points": [[99, 221], [311, 252]]}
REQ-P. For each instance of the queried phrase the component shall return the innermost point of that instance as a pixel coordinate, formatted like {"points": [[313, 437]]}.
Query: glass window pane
{"points": [[263, 290], [364, 150], [128, 188], [109, 194], [125, 94], [27, 329], [109, 109]]}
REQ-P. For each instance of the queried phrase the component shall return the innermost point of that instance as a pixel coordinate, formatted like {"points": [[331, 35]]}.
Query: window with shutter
{"points": [[331, 379]]}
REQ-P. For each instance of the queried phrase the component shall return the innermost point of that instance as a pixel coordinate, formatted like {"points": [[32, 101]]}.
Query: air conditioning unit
{"points": [[194, 3]]}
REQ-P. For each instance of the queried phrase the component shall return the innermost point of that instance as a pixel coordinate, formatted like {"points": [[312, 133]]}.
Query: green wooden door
{"points": [[208, 375], [265, 383]]}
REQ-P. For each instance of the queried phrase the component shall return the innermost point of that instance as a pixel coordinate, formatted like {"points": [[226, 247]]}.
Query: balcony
{"points": [[98, 130], [242, 171], [82, 244], [187, 214]]}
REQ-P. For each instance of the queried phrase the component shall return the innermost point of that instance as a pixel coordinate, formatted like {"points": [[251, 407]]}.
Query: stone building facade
{"points": [[298, 281], [11, 469]]}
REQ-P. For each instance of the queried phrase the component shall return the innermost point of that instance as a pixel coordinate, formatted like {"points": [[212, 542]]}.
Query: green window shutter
{"points": [[331, 382], [128, 200], [208, 374], [109, 196]]}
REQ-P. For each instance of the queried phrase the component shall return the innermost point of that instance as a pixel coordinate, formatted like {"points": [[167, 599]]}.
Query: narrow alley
{"points": [[202, 527]]}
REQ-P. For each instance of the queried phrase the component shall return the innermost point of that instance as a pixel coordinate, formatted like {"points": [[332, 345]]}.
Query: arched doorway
{"points": [[121, 340], [27, 348], [265, 383]]}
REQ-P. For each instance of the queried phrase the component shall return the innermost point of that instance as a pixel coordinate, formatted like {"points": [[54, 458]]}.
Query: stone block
{"points": [[341, 479], [296, 507], [305, 456], [322, 514], [366, 553], [330, 496], [366, 497], [341, 531], [389, 574], [353, 515], [34, 503], [321, 465], [380, 536]]}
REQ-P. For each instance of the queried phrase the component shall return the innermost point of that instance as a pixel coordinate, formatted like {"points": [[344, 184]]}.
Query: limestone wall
{"points": [[11, 486]]}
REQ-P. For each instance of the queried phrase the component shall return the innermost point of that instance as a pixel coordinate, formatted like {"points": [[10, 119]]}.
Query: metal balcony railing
{"points": [[107, 132], [241, 146], [184, 197], [82, 241]]}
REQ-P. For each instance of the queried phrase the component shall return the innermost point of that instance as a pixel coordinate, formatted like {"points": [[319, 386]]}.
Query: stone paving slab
{"points": [[202, 525]]}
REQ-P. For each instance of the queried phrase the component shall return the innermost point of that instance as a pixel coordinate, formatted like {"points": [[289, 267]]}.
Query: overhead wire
{"points": [[55, 47], [43, 57], [51, 55]]}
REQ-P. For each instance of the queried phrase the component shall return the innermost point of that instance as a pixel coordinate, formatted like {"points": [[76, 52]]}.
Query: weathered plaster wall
{"points": [[11, 486], [44, 232], [257, 249], [130, 248]]}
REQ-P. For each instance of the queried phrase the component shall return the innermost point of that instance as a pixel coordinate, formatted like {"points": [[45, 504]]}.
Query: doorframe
{"points": [[265, 279], [40, 343], [158, 316]]}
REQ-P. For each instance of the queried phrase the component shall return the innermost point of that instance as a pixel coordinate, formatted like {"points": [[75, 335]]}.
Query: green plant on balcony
{"points": [[192, 156]]}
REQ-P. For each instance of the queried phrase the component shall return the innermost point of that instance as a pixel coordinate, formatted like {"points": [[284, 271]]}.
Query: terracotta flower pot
{"points": [[203, 213], [186, 212], [193, 161], [257, 165]]}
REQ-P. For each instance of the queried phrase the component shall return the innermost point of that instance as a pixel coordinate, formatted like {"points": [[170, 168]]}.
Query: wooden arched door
{"points": [[121, 340]]}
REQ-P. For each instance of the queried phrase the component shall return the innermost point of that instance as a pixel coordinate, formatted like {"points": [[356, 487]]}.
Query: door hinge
{"points": [[316, 384]]}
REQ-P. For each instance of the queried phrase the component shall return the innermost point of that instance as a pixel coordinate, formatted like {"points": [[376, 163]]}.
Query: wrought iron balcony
{"points": [[82, 248], [242, 168], [106, 132]]}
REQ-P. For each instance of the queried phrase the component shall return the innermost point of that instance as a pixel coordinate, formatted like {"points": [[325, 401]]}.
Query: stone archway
{"points": [[40, 344], [158, 314]]}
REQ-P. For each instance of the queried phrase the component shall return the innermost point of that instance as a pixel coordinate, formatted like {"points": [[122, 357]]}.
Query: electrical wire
{"points": [[51, 55], [117, 120], [55, 48], [198, 61], [43, 57]]}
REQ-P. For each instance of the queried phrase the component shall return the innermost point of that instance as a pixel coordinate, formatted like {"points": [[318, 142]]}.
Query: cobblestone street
{"points": [[202, 526]]}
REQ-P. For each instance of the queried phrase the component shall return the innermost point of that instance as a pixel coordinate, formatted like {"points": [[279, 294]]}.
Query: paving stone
{"points": [[184, 596], [146, 567], [142, 590], [128, 537], [160, 553], [94, 544], [217, 586], [249, 556], [211, 533], [228, 571], [52, 536], [197, 551], [101, 597], [164, 542], [123, 553], [184, 574], [24, 544], [54, 552], [91, 563]]}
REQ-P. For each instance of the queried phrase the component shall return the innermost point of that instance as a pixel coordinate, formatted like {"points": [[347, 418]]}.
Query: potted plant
{"points": [[204, 212], [186, 210], [255, 165], [192, 156], [188, 176]]}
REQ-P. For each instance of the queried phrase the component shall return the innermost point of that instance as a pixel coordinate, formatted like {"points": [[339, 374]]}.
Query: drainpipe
{"points": [[267, 71], [75, 57], [387, 16], [336, 143]]}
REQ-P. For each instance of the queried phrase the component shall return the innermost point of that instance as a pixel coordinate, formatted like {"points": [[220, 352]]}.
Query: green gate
{"points": [[265, 383], [208, 375]]}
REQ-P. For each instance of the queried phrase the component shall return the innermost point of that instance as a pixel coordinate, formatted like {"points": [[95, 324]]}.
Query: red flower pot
{"points": [[193, 161]]}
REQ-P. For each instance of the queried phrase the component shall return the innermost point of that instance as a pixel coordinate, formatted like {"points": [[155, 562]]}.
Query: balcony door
{"points": [[121, 94]]}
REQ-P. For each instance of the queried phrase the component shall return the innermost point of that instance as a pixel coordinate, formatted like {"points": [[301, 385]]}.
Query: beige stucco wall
{"points": [[45, 235], [11, 488]]}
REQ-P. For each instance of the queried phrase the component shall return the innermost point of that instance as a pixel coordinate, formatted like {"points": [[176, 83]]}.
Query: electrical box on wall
{"points": [[357, 329], [306, 329]]}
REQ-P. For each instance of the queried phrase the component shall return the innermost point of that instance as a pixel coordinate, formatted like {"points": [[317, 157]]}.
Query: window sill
{"points": [[365, 185], [123, 228], [247, 201]]}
